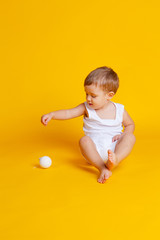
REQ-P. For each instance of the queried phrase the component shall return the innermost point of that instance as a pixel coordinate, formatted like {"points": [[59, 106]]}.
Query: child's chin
{"points": [[92, 106]]}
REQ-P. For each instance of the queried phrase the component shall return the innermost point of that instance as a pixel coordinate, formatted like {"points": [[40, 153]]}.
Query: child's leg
{"points": [[123, 148], [89, 151]]}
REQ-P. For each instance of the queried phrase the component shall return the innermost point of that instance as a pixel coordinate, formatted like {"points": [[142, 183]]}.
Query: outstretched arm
{"points": [[64, 114]]}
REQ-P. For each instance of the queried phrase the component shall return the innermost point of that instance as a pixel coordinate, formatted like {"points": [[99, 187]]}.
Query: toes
{"points": [[100, 179], [104, 180], [110, 155], [109, 151], [104, 176]]}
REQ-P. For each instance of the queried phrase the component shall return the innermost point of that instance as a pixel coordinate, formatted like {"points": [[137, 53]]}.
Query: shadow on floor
{"points": [[80, 163], [59, 138]]}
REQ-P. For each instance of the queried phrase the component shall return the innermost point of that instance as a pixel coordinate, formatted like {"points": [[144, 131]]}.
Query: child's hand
{"points": [[46, 118], [115, 138]]}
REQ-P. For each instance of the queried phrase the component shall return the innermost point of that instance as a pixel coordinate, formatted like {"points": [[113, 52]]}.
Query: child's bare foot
{"points": [[112, 160], [104, 175]]}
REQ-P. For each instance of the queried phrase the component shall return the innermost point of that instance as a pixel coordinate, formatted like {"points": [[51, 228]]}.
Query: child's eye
{"points": [[94, 96]]}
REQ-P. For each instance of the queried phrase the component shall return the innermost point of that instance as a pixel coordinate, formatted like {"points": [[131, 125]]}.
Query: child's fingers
{"points": [[47, 119], [115, 138], [44, 120]]}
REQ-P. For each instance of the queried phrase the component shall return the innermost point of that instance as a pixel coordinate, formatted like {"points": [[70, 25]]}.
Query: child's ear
{"points": [[111, 94]]}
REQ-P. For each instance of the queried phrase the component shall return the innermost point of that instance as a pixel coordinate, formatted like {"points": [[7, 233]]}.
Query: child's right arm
{"points": [[64, 114]]}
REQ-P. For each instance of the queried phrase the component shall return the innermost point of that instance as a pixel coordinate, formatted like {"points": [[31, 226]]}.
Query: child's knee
{"points": [[131, 137], [84, 141]]}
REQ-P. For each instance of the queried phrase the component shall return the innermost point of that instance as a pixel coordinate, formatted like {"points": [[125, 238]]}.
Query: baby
{"points": [[104, 145]]}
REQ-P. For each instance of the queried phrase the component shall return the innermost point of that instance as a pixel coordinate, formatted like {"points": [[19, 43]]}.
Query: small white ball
{"points": [[45, 162]]}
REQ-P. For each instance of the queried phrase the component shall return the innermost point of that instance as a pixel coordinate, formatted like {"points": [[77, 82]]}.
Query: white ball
{"points": [[45, 162]]}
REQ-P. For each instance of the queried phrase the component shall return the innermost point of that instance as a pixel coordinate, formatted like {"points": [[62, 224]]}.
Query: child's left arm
{"points": [[128, 124]]}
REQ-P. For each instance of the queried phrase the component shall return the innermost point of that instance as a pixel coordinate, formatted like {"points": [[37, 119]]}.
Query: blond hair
{"points": [[103, 77]]}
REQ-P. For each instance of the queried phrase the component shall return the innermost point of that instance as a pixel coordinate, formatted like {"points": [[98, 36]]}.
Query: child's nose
{"points": [[88, 98]]}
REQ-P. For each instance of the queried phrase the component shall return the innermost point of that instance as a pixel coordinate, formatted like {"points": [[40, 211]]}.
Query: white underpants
{"points": [[103, 144]]}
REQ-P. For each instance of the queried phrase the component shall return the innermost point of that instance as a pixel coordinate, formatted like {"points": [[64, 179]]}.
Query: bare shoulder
{"points": [[76, 111], [80, 109], [127, 120]]}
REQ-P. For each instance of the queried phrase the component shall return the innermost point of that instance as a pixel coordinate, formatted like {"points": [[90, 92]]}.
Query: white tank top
{"points": [[93, 124]]}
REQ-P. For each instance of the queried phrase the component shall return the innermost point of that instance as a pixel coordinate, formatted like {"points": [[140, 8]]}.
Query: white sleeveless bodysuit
{"points": [[101, 131]]}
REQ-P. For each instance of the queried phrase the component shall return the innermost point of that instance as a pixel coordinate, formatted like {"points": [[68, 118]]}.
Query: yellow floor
{"points": [[66, 201], [47, 50]]}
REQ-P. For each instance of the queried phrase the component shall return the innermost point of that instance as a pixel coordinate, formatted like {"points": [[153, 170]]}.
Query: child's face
{"points": [[96, 97]]}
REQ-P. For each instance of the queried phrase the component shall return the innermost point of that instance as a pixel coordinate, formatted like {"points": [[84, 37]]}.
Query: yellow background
{"points": [[47, 49]]}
